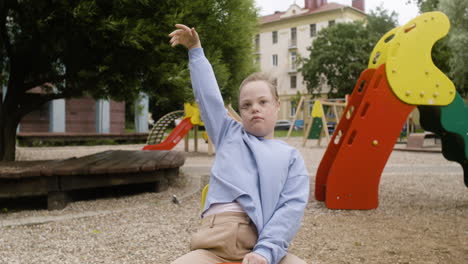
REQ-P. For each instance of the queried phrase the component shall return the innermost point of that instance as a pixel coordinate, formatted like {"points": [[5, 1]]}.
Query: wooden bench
{"points": [[28, 139], [109, 168], [416, 140]]}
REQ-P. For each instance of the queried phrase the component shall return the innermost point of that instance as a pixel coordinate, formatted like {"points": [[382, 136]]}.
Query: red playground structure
{"points": [[400, 77]]}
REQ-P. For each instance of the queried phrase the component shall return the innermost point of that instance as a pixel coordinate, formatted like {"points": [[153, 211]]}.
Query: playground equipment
{"points": [[203, 196], [318, 124], [320, 120], [400, 76], [233, 114], [299, 106], [191, 118], [156, 134]]}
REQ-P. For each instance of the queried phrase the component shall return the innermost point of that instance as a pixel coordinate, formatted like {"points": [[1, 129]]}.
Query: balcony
{"points": [[293, 62], [292, 44], [292, 69]]}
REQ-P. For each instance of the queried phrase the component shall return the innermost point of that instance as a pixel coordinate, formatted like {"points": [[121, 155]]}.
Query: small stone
{"points": [[175, 199]]}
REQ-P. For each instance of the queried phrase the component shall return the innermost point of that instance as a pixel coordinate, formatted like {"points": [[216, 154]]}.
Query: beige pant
{"points": [[225, 237]]}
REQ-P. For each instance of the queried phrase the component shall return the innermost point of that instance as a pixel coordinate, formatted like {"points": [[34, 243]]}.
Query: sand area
{"points": [[422, 218]]}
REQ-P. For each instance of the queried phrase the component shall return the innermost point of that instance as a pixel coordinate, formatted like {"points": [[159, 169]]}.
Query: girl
{"points": [[259, 186]]}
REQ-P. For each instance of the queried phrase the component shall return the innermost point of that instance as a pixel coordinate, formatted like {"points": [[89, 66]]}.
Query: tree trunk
{"points": [[8, 127], [9, 120], [13, 108]]}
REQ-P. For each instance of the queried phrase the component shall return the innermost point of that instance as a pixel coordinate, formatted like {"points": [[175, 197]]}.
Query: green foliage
{"points": [[450, 53], [379, 22], [340, 53], [295, 100], [116, 49], [426, 5], [226, 30], [337, 56], [441, 51], [457, 11]]}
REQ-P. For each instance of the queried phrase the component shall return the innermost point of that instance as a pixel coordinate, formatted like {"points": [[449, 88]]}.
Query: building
{"points": [[286, 35], [82, 115]]}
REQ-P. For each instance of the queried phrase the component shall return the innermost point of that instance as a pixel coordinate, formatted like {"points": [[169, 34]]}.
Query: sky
{"points": [[405, 11]]}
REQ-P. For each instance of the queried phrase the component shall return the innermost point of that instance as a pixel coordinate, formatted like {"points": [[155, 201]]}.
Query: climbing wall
{"points": [[400, 76]]}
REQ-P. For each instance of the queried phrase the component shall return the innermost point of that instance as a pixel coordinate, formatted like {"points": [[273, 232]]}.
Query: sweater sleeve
{"points": [[278, 232], [207, 95]]}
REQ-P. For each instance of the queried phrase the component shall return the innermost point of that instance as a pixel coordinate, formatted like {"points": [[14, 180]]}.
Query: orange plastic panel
{"points": [[365, 145], [332, 149]]}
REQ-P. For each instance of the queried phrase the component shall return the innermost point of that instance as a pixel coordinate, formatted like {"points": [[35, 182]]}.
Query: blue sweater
{"points": [[266, 177]]}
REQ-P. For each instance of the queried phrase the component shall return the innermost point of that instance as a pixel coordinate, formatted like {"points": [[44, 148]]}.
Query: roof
{"points": [[324, 8]]}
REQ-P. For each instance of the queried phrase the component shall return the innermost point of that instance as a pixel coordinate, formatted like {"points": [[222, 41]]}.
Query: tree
{"points": [[226, 29], [426, 5], [450, 53], [113, 49], [457, 11], [379, 22], [441, 52], [340, 53]]}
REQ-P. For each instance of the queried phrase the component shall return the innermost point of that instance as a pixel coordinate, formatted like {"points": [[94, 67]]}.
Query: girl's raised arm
{"points": [[205, 86], [185, 36]]}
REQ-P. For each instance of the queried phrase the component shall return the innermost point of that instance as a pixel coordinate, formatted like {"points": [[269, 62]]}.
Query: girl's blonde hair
{"points": [[261, 76]]}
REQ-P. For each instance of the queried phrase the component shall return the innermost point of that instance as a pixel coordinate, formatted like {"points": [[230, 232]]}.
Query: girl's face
{"points": [[258, 109]]}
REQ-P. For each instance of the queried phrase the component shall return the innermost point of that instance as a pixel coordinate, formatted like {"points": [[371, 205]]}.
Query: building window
{"points": [[293, 36], [293, 81], [293, 60], [313, 30], [275, 60], [331, 23], [257, 42], [275, 37], [257, 60], [293, 108]]}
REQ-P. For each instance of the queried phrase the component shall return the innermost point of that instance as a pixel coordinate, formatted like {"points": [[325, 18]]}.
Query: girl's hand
{"points": [[254, 258], [185, 36]]}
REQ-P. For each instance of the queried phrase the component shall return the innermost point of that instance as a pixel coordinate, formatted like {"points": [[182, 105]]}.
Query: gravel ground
{"points": [[422, 218]]}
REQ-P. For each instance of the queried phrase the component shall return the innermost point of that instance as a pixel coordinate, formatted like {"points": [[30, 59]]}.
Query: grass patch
{"points": [[284, 133]]}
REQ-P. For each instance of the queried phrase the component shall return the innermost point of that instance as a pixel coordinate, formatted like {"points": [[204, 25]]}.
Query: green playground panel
{"points": [[454, 118], [316, 128]]}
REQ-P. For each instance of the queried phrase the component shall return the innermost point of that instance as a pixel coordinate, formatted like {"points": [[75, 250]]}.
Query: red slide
{"points": [[176, 135]]}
